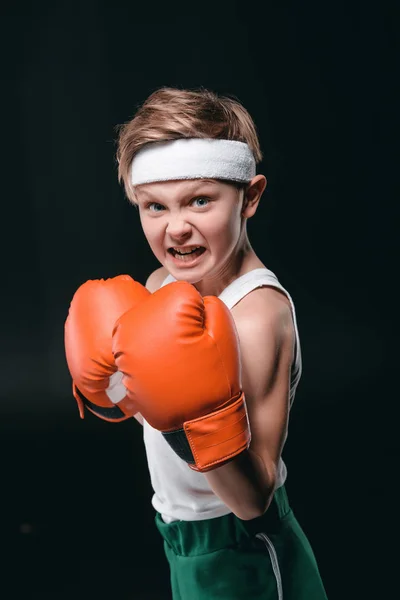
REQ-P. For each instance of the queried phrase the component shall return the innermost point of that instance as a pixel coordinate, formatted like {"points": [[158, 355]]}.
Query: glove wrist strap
{"points": [[212, 440]]}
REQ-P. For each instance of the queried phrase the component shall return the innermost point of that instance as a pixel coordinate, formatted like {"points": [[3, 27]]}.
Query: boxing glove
{"points": [[96, 383], [180, 359]]}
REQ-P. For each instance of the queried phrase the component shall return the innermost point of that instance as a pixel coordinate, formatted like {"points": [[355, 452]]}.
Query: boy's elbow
{"points": [[255, 510]]}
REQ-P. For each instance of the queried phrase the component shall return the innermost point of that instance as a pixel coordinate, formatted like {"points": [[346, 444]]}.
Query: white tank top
{"points": [[179, 492]]}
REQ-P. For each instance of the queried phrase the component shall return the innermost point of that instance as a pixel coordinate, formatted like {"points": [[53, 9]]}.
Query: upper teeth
{"points": [[186, 251]]}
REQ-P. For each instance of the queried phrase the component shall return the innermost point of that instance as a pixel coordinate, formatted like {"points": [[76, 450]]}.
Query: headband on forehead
{"points": [[194, 158]]}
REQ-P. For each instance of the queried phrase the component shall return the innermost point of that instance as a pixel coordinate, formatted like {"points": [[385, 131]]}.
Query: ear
{"points": [[253, 195]]}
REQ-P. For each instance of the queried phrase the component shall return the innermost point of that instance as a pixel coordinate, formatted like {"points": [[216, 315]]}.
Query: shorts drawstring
{"points": [[274, 561]]}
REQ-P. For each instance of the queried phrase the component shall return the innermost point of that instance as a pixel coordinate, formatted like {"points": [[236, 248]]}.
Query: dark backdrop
{"points": [[319, 80]]}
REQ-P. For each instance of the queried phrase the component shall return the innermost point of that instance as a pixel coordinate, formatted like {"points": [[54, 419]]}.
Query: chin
{"points": [[191, 275], [188, 278]]}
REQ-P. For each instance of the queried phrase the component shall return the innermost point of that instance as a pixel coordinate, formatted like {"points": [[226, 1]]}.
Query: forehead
{"points": [[174, 189]]}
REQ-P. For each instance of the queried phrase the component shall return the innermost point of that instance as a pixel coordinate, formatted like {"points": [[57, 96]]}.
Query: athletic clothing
{"points": [[179, 492], [212, 554], [268, 558]]}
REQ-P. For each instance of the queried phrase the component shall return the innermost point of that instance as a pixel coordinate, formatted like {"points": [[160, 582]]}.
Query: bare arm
{"points": [[265, 326]]}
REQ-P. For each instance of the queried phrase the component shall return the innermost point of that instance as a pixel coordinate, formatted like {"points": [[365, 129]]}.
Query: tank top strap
{"points": [[243, 285], [167, 280]]}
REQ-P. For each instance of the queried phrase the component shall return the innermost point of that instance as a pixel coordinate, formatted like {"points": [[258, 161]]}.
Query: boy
{"points": [[206, 357]]}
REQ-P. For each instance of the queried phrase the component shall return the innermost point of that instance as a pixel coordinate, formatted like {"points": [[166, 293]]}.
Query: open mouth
{"points": [[187, 254]]}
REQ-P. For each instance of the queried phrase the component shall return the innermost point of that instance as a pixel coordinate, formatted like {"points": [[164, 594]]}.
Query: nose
{"points": [[178, 228]]}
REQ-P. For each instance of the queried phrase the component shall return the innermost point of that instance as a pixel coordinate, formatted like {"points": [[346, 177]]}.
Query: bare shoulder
{"points": [[263, 307], [266, 332], [156, 278], [264, 323]]}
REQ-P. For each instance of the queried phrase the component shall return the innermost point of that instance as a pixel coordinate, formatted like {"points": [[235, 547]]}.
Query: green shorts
{"points": [[225, 558]]}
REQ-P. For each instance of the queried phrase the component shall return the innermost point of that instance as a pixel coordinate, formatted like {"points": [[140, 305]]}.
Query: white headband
{"points": [[194, 158]]}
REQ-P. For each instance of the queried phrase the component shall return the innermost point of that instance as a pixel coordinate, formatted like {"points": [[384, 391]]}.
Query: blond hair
{"points": [[171, 113]]}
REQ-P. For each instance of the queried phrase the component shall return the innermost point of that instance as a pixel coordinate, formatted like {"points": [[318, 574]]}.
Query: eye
{"points": [[201, 202], [154, 207]]}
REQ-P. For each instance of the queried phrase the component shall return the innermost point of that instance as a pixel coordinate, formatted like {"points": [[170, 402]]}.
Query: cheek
{"points": [[154, 237], [225, 228], [150, 230]]}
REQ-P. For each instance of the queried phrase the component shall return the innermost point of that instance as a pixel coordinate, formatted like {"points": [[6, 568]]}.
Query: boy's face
{"points": [[192, 226]]}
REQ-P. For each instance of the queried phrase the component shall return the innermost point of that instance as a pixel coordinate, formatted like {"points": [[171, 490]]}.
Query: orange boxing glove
{"points": [[181, 368], [96, 383]]}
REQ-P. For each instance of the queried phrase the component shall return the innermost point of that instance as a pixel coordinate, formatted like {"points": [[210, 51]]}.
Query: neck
{"points": [[242, 260]]}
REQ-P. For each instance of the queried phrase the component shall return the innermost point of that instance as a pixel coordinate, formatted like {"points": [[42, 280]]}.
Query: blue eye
{"points": [[204, 202], [154, 204]]}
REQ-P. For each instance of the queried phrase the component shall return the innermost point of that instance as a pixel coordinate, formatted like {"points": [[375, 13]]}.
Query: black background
{"points": [[319, 80]]}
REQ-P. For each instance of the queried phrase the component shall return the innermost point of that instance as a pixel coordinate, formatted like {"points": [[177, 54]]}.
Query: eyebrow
{"points": [[195, 186]]}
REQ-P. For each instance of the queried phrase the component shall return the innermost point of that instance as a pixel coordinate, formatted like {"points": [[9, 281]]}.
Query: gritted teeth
{"points": [[185, 249]]}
